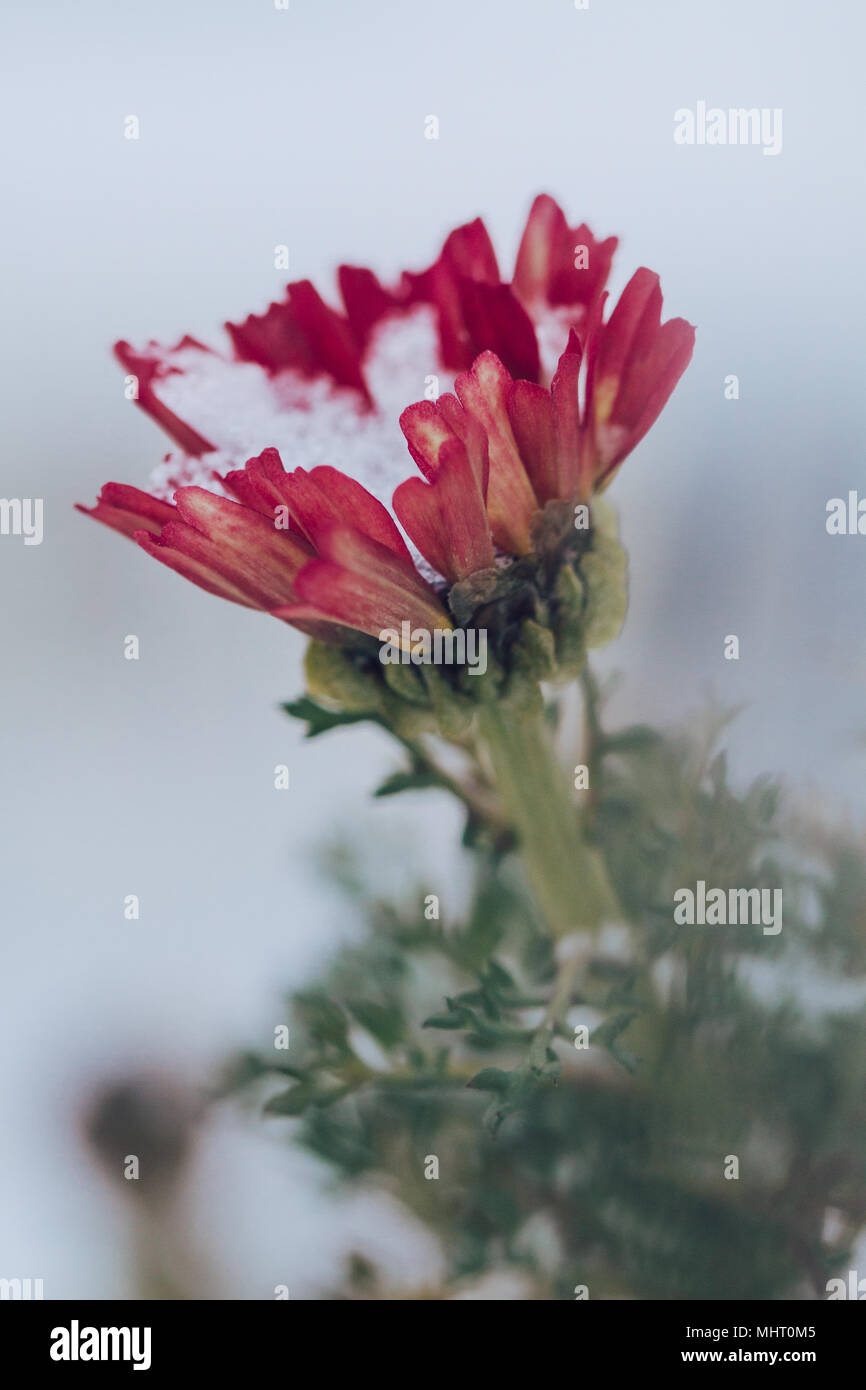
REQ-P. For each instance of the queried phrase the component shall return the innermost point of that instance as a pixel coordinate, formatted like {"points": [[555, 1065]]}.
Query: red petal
{"points": [[446, 518], [179, 548], [471, 434], [274, 340], [631, 326], [303, 333], [546, 427], [566, 414], [361, 584], [545, 268], [429, 425], [128, 510], [530, 412], [329, 334], [426, 430], [320, 497], [261, 483], [469, 251], [353, 550], [637, 363], [570, 284], [416, 503], [652, 376], [324, 497], [230, 547], [366, 300], [539, 248], [151, 366], [651, 387], [461, 504], [496, 319], [467, 255], [315, 624], [511, 501]]}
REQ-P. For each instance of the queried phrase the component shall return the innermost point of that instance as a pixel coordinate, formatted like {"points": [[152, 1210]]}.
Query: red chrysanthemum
{"points": [[548, 400]]}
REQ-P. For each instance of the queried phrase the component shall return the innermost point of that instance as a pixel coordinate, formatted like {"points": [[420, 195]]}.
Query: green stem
{"points": [[480, 803], [566, 874], [592, 738]]}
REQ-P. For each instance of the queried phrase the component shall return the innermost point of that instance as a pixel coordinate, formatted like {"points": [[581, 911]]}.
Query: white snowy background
{"points": [[306, 127]]}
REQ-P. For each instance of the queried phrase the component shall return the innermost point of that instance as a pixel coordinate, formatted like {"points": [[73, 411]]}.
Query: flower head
{"points": [[547, 400]]}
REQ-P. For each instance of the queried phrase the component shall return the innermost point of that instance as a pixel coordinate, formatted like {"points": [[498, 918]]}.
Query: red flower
{"points": [[313, 545], [319, 571], [301, 340], [541, 445]]}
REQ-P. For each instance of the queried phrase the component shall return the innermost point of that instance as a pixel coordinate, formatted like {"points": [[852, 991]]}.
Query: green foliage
{"points": [[415, 780], [320, 720], [605, 1165]]}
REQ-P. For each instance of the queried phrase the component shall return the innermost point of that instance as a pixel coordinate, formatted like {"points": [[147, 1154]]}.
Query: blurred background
{"points": [[305, 126]]}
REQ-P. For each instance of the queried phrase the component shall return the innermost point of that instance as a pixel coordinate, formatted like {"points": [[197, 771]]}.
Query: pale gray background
{"points": [[306, 127]]}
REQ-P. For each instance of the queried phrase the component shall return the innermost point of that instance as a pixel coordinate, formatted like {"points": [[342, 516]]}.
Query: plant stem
{"points": [[480, 802], [592, 733], [566, 874]]}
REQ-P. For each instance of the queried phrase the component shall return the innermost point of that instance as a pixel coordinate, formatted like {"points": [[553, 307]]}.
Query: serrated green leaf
{"points": [[320, 720], [498, 976], [291, 1102], [383, 1021], [407, 782], [457, 1018], [323, 1019], [637, 738], [491, 1079]]}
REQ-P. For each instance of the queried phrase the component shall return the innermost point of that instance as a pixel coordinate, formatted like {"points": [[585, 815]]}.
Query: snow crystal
{"points": [[241, 410]]}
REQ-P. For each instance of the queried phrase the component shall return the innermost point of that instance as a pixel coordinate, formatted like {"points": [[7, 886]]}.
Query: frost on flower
{"points": [[287, 479]]}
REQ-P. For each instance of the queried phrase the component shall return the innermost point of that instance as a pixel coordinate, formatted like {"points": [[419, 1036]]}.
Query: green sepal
{"points": [[523, 694], [604, 571], [407, 721], [331, 672], [406, 682], [568, 623], [452, 708], [535, 650]]}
